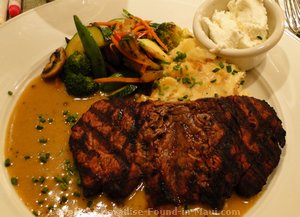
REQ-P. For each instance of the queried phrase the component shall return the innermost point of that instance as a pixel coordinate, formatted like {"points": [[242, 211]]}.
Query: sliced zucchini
{"points": [[123, 91], [154, 50], [75, 44]]}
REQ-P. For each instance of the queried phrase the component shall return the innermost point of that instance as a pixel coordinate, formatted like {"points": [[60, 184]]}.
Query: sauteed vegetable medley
{"points": [[114, 56]]}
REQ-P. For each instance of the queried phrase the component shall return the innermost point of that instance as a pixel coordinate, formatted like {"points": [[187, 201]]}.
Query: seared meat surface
{"points": [[184, 152], [103, 143]]}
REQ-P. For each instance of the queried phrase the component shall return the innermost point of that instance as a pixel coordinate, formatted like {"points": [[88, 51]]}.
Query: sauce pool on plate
{"points": [[42, 170]]}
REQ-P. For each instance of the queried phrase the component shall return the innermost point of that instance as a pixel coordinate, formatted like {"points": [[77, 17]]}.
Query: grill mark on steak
{"points": [[95, 161], [110, 143], [265, 156], [185, 152]]}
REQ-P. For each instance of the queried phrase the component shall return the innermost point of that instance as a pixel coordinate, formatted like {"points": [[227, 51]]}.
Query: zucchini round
{"points": [[75, 44]]}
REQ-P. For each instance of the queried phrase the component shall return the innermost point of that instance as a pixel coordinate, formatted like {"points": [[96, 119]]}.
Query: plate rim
{"points": [[17, 86]]}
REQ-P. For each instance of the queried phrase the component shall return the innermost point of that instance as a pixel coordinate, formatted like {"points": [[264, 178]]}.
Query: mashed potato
{"points": [[196, 73]]}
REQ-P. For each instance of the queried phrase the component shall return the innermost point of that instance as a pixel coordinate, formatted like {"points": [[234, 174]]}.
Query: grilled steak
{"points": [[184, 152]]}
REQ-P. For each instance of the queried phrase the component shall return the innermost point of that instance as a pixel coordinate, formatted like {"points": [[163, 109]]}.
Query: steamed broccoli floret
{"points": [[170, 34], [77, 76], [78, 63], [80, 85]]}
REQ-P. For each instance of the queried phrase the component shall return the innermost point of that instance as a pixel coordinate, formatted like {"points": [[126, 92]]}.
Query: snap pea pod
{"points": [[91, 49]]}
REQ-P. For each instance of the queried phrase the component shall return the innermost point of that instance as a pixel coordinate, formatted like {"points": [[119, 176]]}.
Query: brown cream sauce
{"points": [[44, 104]]}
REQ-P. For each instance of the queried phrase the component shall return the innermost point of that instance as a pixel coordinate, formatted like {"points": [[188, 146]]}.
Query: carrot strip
{"points": [[118, 25], [142, 34], [116, 43], [138, 28], [153, 34], [118, 80]]}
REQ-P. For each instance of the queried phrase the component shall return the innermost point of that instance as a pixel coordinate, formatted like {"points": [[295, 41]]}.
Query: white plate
{"points": [[27, 40]]}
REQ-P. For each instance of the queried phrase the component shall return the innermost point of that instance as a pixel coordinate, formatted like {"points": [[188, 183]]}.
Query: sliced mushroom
{"points": [[55, 64]]}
